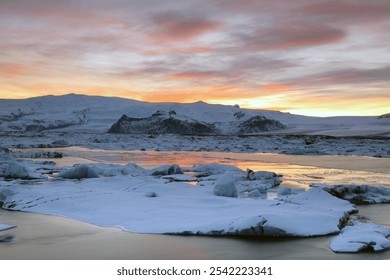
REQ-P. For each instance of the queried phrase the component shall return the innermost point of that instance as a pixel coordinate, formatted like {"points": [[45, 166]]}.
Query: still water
{"points": [[48, 237]]}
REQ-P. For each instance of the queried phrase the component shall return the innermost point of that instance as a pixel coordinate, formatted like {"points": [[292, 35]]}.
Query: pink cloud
{"points": [[194, 75], [345, 77], [170, 27], [173, 51], [346, 11], [293, 35]]}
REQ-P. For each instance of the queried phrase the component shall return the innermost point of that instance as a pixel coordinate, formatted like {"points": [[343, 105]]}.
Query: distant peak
{"points": [[200, 102]]}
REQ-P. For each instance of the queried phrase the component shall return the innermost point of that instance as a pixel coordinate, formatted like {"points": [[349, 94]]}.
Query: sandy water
{"points": [[49, 237]]}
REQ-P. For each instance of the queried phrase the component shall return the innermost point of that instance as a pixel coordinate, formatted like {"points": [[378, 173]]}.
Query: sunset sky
{"points": [[312, 57]]}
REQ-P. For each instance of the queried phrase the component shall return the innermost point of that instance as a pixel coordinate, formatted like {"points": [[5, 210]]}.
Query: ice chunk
{"points": [[254, 193], [79, 172], [225, 186], [271, 177], [361, 237], [167, 169], [205, 170], [17, 171], [6, 226], [357, 194], [284, 191]]}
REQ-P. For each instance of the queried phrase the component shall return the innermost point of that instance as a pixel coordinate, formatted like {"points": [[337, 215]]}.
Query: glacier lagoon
{"points": [[73, 240]]}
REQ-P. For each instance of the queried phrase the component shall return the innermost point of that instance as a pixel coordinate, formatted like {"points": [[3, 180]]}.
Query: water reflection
{"points": [[297, 171]]}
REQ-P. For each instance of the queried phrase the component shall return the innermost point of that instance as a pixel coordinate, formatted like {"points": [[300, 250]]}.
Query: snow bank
{"points": [[361, 237], [357, 194]]}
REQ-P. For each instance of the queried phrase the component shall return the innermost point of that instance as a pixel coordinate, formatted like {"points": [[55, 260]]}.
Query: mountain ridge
{"points": [[78, 112]]}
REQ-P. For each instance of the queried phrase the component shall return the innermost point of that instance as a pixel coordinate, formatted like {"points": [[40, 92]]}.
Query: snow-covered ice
{"points": [[79, 172], [357, 194], [225, 186], [6, 227], [140, 202], [361, 236]]}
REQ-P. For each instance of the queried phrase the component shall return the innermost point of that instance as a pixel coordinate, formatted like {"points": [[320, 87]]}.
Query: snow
{"points": [[180, 178], [79, 171], [14, 170], [6, 226], [225, 186], [361, 237], [281, 144], [159, 200], [167, 169], [80, 113], [140, 202], [358, 194], [204, 170]]}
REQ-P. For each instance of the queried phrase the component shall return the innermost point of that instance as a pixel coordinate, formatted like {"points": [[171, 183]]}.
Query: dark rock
{"points": [[259, 124], [160, 123], [34, 128]]}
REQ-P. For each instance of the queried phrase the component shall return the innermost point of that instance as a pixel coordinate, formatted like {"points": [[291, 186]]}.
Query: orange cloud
{"points": [[173, 51], [276, 88], [193, 75], [12, 70]]}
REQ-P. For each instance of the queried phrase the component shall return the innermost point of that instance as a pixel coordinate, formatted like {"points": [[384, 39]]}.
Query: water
{"points": [[298, 171], [48, 237]]}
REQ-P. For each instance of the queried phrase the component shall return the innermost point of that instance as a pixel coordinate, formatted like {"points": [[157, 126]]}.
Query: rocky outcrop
{"points": [[259, 124], [385, 116], [161, 123]]}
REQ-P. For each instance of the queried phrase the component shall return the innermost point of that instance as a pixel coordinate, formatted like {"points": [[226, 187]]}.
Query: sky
{"points": [[310, 57]]}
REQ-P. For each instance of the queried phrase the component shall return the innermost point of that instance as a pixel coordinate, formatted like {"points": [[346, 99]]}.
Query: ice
{"points": [[79, 171], [180, 178], [140, 202], [6, 227], [167, 169], [225, 186], [361, 237], [284, 191], [266, 176], [14, 170], [358, 194], [205, 170]]}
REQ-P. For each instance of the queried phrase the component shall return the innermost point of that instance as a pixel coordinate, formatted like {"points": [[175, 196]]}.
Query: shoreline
{"points": [[47, 237]]}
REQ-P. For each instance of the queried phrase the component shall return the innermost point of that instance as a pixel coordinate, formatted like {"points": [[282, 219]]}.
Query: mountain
{"points": [[161, 122], [385, 116], [82, 113]]}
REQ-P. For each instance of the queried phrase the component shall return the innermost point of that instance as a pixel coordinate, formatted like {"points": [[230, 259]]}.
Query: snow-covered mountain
{"points": [[74, 112]]}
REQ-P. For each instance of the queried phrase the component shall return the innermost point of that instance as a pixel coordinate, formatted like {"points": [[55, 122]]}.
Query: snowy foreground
{"points": [[208, 199]]}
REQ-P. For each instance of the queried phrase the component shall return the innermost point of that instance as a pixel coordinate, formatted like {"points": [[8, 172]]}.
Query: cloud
{"points": [[175, 51], [356, 77], [173, 27], [357, 11], [194, 75], [290, 36], [215, 50]]}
